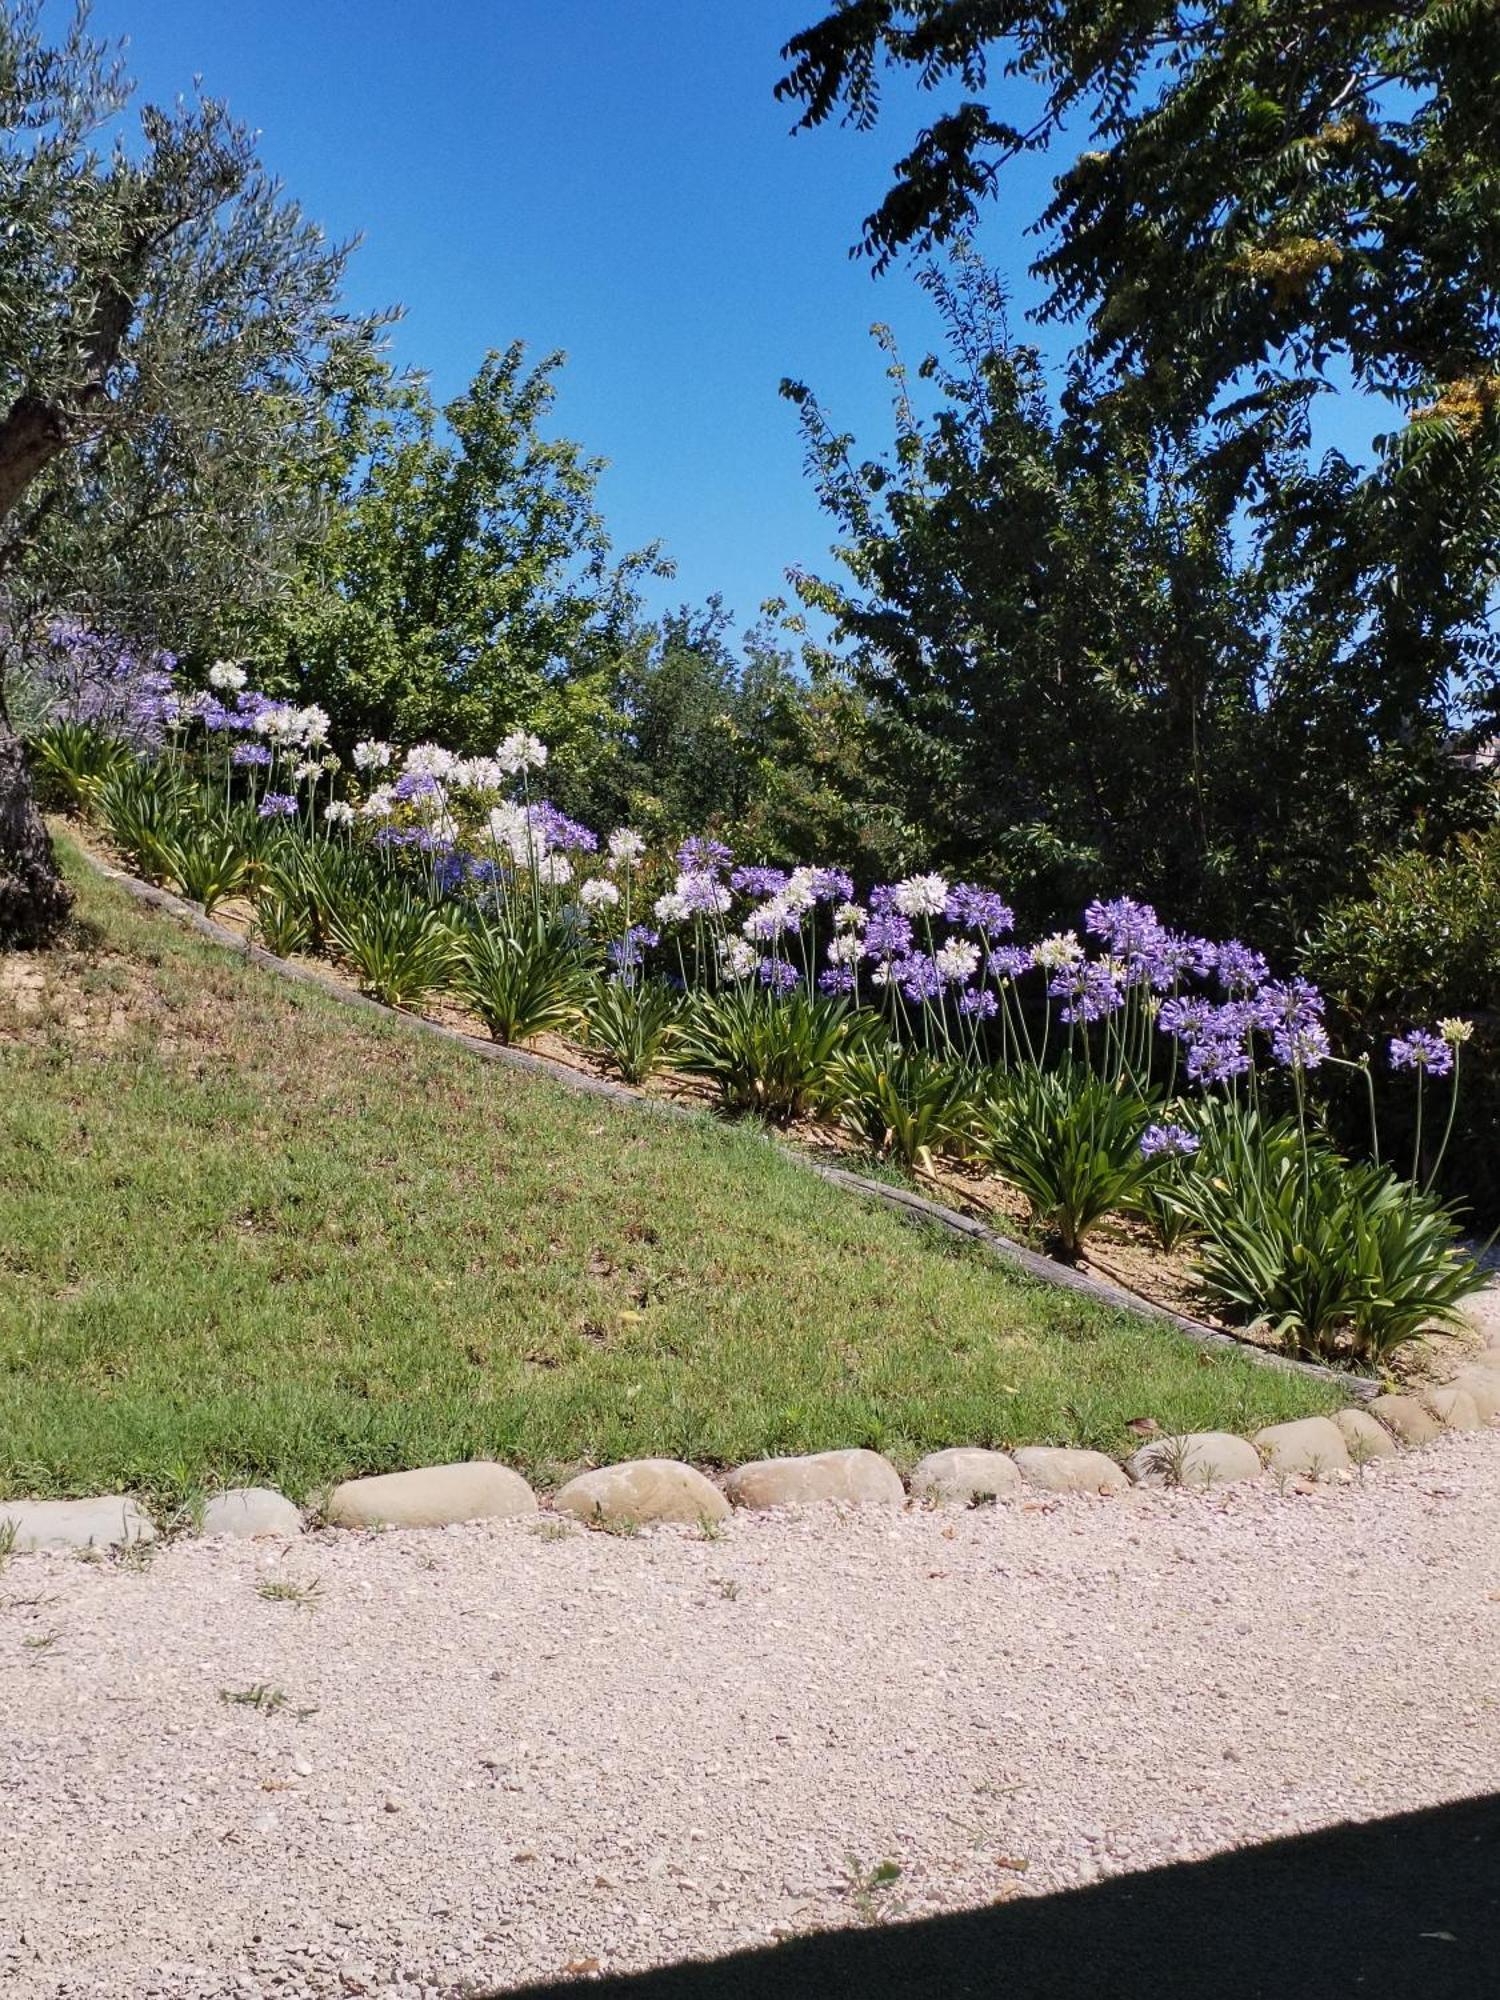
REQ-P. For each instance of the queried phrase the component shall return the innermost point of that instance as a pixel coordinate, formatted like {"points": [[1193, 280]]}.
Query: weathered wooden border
{"points": [[906, 1202]]}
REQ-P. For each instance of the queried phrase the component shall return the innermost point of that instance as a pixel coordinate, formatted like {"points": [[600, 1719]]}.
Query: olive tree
{"points": [[171, 338]]}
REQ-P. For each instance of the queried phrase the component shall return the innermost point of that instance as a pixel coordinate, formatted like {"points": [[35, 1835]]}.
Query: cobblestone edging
{"points": [[644, 1491]]}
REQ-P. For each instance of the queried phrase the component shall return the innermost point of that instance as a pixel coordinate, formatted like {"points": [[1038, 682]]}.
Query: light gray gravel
{"points": [[506, 1752]]}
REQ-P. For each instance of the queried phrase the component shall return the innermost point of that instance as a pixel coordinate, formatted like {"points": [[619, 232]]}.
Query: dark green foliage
{"points": [[1346, 1262], [775, 1055], [904, 1102], [398, 944], [524, 975], [1070, 1142], [635, 1023], [1096, 664]]}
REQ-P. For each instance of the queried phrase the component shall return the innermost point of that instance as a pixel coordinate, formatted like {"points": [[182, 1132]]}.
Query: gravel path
{"points": [[509, 1751]]}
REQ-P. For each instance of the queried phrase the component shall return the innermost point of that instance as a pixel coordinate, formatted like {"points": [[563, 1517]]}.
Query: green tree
{"points": [[1090, 668], [169, 333], [1256, 204], [467, 584]]}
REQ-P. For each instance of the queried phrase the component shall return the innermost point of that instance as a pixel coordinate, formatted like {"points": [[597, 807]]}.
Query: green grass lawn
{"points": [[247, 1234]]}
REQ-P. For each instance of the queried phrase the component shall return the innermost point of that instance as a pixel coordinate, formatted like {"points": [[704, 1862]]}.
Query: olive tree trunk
{"points": [[34, 899]]}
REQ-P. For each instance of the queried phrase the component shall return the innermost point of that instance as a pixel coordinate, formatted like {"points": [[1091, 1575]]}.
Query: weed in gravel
{"points": [[872, 1890], [710, 1530], [551, 1531], [8, 1533], [41, 1642], [134, 1555], [625, 1525], [726, 1587], [264, 1698], [288, 1590]]}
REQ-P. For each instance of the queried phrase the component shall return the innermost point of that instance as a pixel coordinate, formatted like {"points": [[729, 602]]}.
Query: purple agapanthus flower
{"points": [[979, 1003], [1239, 968], [979, 909], [1292, 1004], [255, 754], [1168, 1142], [758, 881], [832, 885], [414, 785], [700, 855], [1217, 1058], [1008, 961], [887, 935], [1420, 1049], [277, 805], [1128, 928], [1302, 1046], [625, 953], [837, 979], [918, 977], [565, 835], [778, 975], [1090, 989]]}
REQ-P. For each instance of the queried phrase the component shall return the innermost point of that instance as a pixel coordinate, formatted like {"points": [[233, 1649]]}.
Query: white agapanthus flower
{"points": [[279, 722], [428, 760], [770, 919], [625, 847], [312, 726], [227, 677], [520, 752], [669, 909], [845, 948], [306, 769], [800, 892], [1054, 953], [850, 917], [737, 960], [598, 893], [957, 960], [372, 755], [477, 774], [921, 896], [379, 804], [510, 828], [555, 870], [338, 812]]}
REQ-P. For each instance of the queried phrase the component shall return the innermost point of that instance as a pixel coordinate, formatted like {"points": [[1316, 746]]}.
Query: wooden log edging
{"points": [[911, 1206]]}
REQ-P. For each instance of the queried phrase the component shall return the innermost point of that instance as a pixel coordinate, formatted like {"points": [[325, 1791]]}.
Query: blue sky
{"points": [[609, 177]]}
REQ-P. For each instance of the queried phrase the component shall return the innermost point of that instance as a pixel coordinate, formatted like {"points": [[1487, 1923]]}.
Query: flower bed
{"points": [[1123, 1076]]}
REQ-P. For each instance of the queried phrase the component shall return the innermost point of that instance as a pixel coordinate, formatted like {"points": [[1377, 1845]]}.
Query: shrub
{"points": [[402, 949], [281, 924], [72, 760], [144, 806], [635, 1024], [773, 1054], [204, 860], [523, 981], [1345, 1262], [904, 1102], [1071, 1143]]}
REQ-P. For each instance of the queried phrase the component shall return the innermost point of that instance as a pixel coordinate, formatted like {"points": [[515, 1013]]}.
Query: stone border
{"points": [[908, 1203], [643, 1492]]}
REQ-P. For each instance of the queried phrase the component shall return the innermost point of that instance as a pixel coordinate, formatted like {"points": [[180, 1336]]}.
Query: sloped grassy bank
{"points": [[247, 1235]]}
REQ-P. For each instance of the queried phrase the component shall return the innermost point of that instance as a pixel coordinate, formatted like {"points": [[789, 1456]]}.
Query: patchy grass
{"points": [[249, 1235]]}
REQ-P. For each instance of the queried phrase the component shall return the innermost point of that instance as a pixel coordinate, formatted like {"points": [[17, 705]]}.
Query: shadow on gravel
{"points": [[1397, 1907]]}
